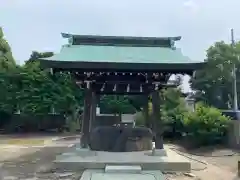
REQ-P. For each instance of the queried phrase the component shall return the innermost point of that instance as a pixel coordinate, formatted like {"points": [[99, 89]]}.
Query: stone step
{"points": [[101, 175]]}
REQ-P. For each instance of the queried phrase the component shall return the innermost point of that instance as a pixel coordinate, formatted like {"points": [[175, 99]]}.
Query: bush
{"points": [[206, 126], [33, 123], [72, 125], [172, 113], [173, 122], [139, 119]]}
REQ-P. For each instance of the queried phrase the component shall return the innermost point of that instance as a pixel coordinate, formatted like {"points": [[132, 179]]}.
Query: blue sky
{"points": [[36, 25]]}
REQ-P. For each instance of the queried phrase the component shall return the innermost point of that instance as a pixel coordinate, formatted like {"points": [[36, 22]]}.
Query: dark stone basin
{"points": [[120, 139]]}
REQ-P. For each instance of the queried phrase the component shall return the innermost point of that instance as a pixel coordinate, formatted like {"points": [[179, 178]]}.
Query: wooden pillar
{"points": [[157, 123], [238, 174], [93, 111], [86, 118], [146, 112]]}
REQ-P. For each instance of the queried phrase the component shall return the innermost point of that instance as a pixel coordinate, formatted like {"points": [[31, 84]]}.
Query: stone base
{"points": [[156, 152], [86, 159], [103, 175]]}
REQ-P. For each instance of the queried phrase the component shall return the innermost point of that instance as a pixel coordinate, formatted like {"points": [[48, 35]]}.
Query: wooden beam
{"points": [[139, 88], [122, 77], [98, 70], [93, 111], [120, 88], [121, 93]]}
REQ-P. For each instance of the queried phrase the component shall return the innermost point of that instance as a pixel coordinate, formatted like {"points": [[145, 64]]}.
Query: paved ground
{"points": [[36, 164], [215, 164]]}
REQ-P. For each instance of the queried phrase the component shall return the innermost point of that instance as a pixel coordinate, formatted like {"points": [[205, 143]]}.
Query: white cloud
{"points": [[189, 3], [191, 6], [12, 4]]}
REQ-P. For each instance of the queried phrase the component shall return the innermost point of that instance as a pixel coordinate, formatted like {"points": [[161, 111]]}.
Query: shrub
{"points": [[172, 113], [173, 122], [206, 125], [139, 119]]}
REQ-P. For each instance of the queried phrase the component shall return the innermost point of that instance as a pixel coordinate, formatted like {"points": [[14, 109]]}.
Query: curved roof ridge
{"points": [[68, 35]]}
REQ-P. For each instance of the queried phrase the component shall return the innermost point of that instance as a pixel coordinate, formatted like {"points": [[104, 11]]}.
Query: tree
{"points": [[213, 84], [9, 89], [6, 57], [7, 71], [116, 104], [173, 108], [137, 101], [41, 93]]}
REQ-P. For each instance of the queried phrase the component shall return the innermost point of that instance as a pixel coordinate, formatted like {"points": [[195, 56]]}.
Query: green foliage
{"points": [[1, 33], [47, 92], [32, 91], [116, 104], [137, 101], [214, 81], [9, 90], [173, 109], [139, 119], [6, 58], [206, 125], [72, 123], [172, 112]]}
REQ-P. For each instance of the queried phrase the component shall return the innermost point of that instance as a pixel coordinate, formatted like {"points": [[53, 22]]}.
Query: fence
{"points": [[10, 123]]}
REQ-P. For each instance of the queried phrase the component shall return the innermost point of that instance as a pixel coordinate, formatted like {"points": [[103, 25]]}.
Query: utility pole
{"points": [[235, 100]]}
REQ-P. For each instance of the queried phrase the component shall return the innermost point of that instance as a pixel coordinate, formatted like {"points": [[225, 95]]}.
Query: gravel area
{"points": [[37, 165], [215, 163]]}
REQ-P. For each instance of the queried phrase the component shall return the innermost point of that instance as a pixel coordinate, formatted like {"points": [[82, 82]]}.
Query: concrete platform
{"points": [[86, 159], [103, 175]]}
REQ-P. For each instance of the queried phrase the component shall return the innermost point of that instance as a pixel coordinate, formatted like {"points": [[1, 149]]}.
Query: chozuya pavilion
{"points": [[120, 65]]}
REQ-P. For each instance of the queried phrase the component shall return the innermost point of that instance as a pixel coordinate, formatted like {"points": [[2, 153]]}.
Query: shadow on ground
{"points": [[218, 155], [39, 164]]}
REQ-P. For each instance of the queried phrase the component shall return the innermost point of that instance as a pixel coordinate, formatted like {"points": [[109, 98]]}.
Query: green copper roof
{"points": [[120, 54], [121, 40]]}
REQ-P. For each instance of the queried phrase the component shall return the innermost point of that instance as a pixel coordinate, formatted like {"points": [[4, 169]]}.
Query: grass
{"points": [[27, 141]]}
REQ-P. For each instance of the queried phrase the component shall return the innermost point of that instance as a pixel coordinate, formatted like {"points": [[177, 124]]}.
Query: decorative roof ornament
{"points": [[69, 37], [70, 40], [173, 44], [66, 35]]}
